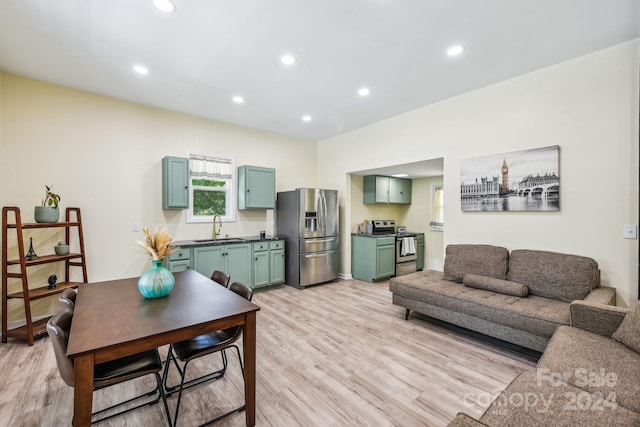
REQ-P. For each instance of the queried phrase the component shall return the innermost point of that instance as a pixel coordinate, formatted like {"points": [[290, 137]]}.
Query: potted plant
{"points": [[48, 212]]}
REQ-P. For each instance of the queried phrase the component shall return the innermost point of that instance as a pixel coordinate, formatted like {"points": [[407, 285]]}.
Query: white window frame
{"points": [[229, 189], [433, 224]]}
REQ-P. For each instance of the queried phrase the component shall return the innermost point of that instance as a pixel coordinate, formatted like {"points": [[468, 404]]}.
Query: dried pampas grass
{"points": [[158, 244]]}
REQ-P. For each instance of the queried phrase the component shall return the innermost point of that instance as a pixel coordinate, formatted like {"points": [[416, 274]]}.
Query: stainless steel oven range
{"points": [[406, 250]]}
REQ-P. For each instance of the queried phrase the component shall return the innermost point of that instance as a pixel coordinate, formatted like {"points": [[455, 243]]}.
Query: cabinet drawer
{"points": [[180, 254], [260, 246], [383, 241], [279, 244]]}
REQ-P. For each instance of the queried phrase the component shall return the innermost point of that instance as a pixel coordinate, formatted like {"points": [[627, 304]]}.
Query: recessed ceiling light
{"points": [[165, 5], [141, 69], [306, 118], [288, 59], [455, 50], [364, 91], [400, 175], [238, 99]]}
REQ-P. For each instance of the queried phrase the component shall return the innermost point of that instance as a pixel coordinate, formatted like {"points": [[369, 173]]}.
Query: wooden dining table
{"points": [[112, 319]]}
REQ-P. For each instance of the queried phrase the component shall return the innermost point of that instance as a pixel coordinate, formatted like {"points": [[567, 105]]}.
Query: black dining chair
{"points": [[67, 299], [108, 373], [203, 345], [221, 278]]}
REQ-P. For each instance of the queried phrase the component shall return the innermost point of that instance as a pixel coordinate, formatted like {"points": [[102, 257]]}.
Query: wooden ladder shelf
{"points": [[20, 264]]}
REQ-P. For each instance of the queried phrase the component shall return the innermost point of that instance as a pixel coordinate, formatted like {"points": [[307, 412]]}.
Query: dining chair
{"points": [[202, 345], [67, 299], [108, 373], [221, 278]]}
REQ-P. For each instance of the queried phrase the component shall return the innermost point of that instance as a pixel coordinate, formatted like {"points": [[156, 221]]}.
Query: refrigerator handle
{"points": [[324, 214], [321, 212]]}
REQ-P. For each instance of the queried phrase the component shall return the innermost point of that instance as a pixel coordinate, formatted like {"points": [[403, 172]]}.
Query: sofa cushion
{"points": [[595, 364], [527, 401], [537, 315], [628, 333], [495, 285], [485, 260], [554, 275]]}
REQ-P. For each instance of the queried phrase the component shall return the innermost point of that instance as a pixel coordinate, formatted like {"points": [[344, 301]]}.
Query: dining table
{"points": [[112, 320]]}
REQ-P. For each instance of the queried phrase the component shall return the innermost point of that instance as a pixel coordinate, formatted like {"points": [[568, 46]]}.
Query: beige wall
{"points": [[104, 156], [588, 106]]}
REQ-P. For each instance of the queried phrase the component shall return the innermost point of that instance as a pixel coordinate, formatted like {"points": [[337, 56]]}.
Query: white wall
{"points": [[104, 156], [588, 106]]}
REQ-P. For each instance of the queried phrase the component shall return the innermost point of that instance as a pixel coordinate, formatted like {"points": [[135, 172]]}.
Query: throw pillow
{"points": [[628, 333], [495, 285]]}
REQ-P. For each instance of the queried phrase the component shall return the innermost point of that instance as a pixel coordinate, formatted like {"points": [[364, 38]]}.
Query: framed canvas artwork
{"points": [[527, 180]]}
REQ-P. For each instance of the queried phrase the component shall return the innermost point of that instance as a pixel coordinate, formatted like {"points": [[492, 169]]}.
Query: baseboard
{"points": [[345, 276]]}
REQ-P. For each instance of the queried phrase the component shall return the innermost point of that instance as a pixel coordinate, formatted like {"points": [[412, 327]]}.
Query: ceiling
{"points": [[207, 51]]}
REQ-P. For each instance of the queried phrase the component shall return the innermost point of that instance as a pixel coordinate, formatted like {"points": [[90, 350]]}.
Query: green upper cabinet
{"points": [[175, 183], [256, 187], [386, 189]]}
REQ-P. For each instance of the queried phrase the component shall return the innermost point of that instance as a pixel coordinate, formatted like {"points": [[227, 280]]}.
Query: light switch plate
{"points": [[135, 227], [630, 231]]}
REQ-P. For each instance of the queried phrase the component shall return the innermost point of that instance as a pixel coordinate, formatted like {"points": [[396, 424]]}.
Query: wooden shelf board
{"points": [[37, 293], [44, 225], [45, 259], [39, 328]]}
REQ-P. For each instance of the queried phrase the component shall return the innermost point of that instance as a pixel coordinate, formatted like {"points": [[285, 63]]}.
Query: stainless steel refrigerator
{"points": [[307, 218]]}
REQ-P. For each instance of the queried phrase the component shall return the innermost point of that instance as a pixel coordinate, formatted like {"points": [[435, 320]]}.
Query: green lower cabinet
{"points": [[235, 260], [179, 260], [268, 263], [373, 258]]}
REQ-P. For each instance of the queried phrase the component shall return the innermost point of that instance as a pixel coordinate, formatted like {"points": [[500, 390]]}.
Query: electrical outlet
{"points": [[135, 227], [630, 231]]}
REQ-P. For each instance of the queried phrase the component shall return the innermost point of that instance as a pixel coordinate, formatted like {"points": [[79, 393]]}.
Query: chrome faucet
{"points": [[216, 233]]}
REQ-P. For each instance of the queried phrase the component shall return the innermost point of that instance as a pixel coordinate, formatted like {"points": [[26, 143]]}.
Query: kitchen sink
{"points": [[224, 240]]}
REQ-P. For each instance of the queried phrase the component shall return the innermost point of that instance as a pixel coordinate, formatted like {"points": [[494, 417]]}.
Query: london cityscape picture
{"points": [[527, 180]]}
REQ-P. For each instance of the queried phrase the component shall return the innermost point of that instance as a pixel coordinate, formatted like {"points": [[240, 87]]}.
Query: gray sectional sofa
{"points": [[589, 375], [521, 297]]}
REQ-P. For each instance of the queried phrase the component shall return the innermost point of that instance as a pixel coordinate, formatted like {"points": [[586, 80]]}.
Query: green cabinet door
{"points": [[238, 263], [207, 259], [260, 264], [399, 190], [177, 266], [386, 261], [277, 266], [256, 187], [375, 189], [175, 183]]}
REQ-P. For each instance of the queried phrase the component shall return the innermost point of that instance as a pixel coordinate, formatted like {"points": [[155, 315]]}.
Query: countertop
{"points": [[224, 241], [405, 234]]}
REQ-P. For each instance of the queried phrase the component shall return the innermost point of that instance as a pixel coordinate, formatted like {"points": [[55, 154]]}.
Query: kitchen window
{"points": [[437, 215], [211, 188]]}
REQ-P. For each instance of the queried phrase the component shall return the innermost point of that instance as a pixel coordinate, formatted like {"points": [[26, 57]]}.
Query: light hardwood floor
{"points": [[338, 354]]}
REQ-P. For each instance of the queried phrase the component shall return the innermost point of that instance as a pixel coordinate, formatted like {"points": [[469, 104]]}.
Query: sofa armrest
{"points": [[601, 319], [602, 295], [464, 420]]}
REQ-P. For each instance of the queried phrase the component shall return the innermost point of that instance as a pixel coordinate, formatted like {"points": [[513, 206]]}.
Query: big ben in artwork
{"points": [[505, 177]]}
